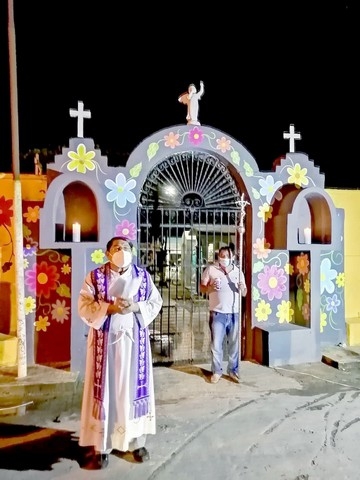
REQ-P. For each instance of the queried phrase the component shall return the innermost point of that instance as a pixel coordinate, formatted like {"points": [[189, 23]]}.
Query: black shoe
{"points": [[97, 461], [141, 455]]}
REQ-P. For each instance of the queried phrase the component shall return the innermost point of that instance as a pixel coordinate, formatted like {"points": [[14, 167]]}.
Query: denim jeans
{"points": [[221, 325]]}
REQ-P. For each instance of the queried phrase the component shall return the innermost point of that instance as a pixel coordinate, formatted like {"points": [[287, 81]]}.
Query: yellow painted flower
{"points": [[29, 305], [81, 159], [289, 269], [66, 269], [340, 279], [32, 214], [307, 285], [285, 312], [297, 175], [323, 322], [265, 212], [97, 256], [262, 311], [25, 263], [42, 323]]}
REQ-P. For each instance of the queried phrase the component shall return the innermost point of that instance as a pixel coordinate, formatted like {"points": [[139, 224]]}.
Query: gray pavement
{"points": [[290, 423]]}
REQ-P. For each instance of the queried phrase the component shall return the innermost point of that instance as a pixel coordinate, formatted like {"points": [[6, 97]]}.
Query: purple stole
{"points": [[140, 355]]}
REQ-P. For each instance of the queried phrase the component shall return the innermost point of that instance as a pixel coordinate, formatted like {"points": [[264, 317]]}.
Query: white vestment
{"points": [[118, 430]]}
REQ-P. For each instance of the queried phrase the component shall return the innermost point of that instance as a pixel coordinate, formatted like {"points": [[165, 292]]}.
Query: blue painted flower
{"points": [[120, 190], [270, 188], [327, 275], [332, 303]]}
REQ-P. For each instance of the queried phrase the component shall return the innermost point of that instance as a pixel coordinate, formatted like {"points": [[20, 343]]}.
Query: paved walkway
{"points": [[293, 423]]}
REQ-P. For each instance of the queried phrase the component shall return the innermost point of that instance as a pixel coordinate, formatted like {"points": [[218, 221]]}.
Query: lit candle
{"points": [[307, 235], [76, 232]]}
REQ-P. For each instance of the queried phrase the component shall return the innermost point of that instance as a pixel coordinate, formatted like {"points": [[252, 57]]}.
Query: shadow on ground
{"points": [[27, 447]]}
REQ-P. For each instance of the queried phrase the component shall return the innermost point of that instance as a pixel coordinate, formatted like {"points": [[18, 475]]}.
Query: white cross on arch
{"points": [[292, 136], [80, 113]]}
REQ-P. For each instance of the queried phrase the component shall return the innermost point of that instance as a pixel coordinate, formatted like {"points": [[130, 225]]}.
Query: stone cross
{"points": [[80, 113], [292, 136]]}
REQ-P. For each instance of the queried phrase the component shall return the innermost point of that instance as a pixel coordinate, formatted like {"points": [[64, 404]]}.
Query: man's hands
{"points": [[123, 306]]}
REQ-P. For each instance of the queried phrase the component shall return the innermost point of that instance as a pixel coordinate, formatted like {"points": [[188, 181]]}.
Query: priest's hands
{"points": [[123, 306]]}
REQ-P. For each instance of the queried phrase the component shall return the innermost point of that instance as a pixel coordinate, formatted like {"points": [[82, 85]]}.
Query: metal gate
{"points": [[188, 210]]}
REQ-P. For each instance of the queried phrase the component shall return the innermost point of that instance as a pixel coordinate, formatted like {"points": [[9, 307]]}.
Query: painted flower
{"points": [[126, 229], [262, 311], [289, 269], [307, 286], [261, 248], [32, 214], [270, 188], [42, 323], [302, 263], [120, 190], [305, 310], [272, 282], [29, 305], [60, 311], [41, 279], [66, 269], [285, 312], [30, 248], [97, 256], [265, 212], [223, 144], [323, 322], [297, 175], [327, 275], [332, 303], [81, 159], [172, 140], [340, 279], [6, 212], [196, 136], [25, 263]]}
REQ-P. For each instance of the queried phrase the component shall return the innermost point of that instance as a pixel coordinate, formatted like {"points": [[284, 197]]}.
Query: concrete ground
{"points": [[290, 423]]}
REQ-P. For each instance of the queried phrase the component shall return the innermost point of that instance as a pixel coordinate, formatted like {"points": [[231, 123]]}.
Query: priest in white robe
{"points": [[118, 301]]}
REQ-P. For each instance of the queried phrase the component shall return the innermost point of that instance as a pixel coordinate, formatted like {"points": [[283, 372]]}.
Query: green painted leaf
{"points": [[255, 193], [135, 170], [249, 172], [300, 298], [235, 157], [152, 150], [258, 266]]}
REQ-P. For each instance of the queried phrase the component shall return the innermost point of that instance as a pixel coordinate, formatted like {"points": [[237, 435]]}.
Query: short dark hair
{"points": [[226, 249], [112, 240]]}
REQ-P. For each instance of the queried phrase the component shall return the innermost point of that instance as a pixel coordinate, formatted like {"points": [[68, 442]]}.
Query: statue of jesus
{"points": [[191, 99]]}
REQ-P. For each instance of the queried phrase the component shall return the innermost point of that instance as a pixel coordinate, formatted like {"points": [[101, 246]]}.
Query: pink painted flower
{"points": [[60, 311], [272, 282], [261, 248], [195, 136], [126, 229], [172, 140]]}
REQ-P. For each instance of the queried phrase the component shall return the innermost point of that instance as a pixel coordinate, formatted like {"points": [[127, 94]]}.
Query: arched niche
{"points": [[313, 209], [81, 207], [68, 201]]}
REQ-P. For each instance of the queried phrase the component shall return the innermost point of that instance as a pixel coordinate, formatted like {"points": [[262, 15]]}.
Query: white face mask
{"points": [[225, 262], [122, 258]]}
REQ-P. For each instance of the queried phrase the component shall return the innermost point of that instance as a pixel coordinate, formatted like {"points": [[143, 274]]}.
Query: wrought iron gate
{"points": [[188, 210]]}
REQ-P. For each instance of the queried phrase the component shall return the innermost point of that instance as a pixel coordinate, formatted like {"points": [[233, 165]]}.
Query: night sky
{"points": [[264, 67]]}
